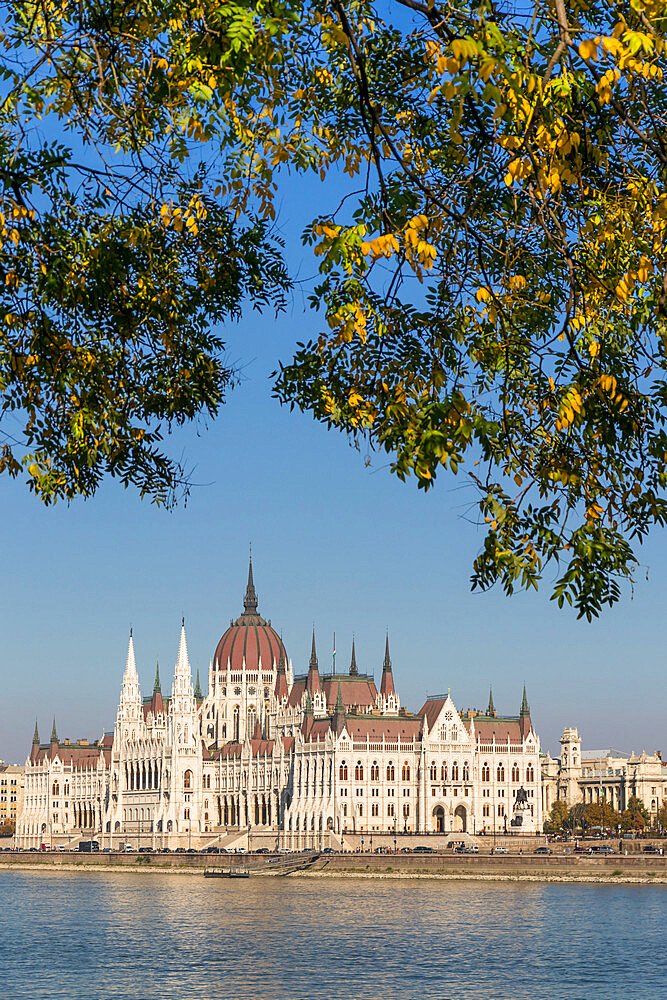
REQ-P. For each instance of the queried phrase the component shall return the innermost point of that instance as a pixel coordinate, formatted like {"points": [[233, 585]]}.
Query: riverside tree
{"points": [[493, 276]]}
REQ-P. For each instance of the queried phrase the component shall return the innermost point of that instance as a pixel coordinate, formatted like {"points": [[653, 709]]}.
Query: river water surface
{"points": [[166, 937]]}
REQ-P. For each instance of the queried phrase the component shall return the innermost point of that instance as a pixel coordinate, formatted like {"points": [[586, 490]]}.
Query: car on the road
{"points": [[144, 850], [650, 849], [262, 850], [328, 850], [422, 849], [602, 849], [499, 850], [542, 850], [472, 849], [179, 850]]}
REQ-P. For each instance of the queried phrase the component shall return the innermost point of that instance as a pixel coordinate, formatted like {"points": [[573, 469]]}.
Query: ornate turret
{"points": [[353, 664], [250, 643]]}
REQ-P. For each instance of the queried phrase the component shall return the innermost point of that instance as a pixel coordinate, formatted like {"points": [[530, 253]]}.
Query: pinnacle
{"points": [[250, 599], [491, 709], [35, 739], [387, 660], [198, 694], [157, 689], [525, 710], [353, 664], [54, 734], [340, 707], [313, 656], [130, 664]]}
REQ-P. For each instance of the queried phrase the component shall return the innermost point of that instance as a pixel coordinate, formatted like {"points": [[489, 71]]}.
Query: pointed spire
{"points": [[130, 665], [250, 599], [308, 710], [182, 662], [525, 710], [198, 694], [387, 684], [157, 688], [340, 707], [281, 689], [54, 734], [35, 738], [313, 680], [353, 664], [491, 710]]}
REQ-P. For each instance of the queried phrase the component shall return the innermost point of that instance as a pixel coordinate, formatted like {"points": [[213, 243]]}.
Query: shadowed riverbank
{"points": [[632, 869]]}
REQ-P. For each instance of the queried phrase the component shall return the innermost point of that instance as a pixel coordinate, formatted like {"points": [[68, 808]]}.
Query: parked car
{"points": [[144, 850], [472, 849], [460, 849], [542, 850], [262, 850], [602, 849], [650, 849], [328, 850], [179, 850], [499, 850], [424, 850]]}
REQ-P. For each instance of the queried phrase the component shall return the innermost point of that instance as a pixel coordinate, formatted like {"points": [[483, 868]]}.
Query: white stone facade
{"points": [[299, 760]]}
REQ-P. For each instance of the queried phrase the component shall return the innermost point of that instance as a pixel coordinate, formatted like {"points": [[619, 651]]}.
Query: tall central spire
{"points": [[250, 599], [313, 678]]}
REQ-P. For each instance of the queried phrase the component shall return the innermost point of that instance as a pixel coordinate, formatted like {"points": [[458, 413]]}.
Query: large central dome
{"points": [[249, 639]]}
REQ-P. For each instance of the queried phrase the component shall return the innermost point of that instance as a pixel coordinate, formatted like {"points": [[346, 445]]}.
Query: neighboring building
{"points": [[11, 791], [602, 775], [303, 758]]}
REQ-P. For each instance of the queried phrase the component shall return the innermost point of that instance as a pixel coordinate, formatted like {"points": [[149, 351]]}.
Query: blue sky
{"points": [[335, 543]]}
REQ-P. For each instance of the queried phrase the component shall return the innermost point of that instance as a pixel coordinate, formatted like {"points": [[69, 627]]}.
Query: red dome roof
{"points": [[249, 638]]}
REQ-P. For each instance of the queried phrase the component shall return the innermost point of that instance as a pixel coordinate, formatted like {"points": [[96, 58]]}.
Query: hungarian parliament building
{"points": [[291, 760]]}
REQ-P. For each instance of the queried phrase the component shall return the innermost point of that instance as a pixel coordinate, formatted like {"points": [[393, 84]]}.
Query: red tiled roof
{"points": [[297, 691], [487, 728], [356, 692], [315, 729], [375, 727], [430, 711], [249, 638]]}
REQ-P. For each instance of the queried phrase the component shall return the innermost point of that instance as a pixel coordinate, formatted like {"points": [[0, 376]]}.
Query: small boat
{"points": [[232, 872]]}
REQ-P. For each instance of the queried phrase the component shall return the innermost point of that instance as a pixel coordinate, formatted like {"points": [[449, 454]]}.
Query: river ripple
{"points": [[161, 937]]}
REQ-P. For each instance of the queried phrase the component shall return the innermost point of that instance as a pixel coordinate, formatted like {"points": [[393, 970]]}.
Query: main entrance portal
{"points": [[439, 817]]}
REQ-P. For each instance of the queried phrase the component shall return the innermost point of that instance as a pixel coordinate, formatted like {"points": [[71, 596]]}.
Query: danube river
{"points": [[170, 937]]}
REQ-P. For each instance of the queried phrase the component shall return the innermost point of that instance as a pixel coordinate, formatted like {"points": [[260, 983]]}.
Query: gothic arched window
{"points": [[375, 771], [405, 773], [486, 772], [359, 771], [434, 771], [530, 774], [515, 773], [391, 774], [455, 771], [187, 779], [466, 771], [501, 772], [342, 771]]}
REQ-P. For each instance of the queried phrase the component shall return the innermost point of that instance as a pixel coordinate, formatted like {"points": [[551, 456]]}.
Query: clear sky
{"points": [[335, 543]]}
